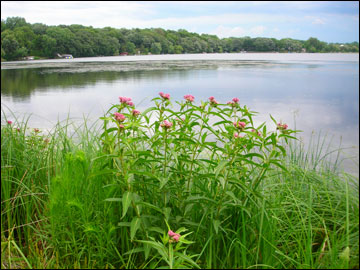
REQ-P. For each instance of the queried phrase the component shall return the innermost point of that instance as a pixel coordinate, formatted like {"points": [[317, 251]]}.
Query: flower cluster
{"points": [[239, 125], [9, 122], [282, 126], [234, 102], [135, 112], [166, 124], [126, 100], [257, 132], [213, 102], [189, 98], [164, 96], [174, 236], [237, 135], [119, 117]]}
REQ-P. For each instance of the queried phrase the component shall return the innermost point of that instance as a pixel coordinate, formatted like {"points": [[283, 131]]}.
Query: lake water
{"points": [[321, 91]]}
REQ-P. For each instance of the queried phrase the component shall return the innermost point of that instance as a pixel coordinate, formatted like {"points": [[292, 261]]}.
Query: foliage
{"points": [[19, 39], [175, 186]]}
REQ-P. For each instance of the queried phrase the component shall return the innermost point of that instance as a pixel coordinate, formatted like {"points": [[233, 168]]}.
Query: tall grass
{"points": [[107, 195]]}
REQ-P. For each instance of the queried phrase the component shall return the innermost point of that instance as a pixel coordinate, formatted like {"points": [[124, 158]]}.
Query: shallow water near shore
{"points": [[319, 91]]}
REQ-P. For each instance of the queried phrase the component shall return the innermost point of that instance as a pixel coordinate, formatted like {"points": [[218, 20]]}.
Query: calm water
{"points": [[321, 91]]}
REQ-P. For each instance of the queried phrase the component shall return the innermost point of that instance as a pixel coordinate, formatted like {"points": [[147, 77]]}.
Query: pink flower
{"points": [[189, 98], [257, 132], [166, 124], [119, 117], [237, 135], [9, 122], [213, 102], [164, 96], [124, 99], [174, 236], [121, 126], [130, 103], [239, 125], [281, 126], [235, 100], [135, 112]]}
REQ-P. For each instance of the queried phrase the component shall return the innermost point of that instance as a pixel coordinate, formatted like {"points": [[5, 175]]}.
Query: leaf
{"points": [[220, 167], [113, 200], [272, 118], [134, 250], [134, 226], [186, 258], [345, 254], [124, 224], [278, 164], [167, 211], [151, 206], [216, 224], [126, 200], [160, 248]]}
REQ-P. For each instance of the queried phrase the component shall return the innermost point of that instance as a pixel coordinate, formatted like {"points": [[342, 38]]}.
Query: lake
{"points": [[319, 91]]}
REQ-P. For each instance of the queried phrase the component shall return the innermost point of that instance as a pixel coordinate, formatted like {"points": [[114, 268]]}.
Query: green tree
{"points": [[155, 48], [14, 22]]}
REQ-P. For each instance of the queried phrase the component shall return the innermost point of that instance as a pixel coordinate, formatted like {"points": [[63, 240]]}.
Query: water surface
{"points": [[319, 90]]}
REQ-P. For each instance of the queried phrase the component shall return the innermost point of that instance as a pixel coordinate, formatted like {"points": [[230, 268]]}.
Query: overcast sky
{"points": [[329, 21]]}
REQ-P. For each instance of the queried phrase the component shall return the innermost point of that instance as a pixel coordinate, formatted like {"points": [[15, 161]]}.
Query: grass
{"points": [[105, 196]]}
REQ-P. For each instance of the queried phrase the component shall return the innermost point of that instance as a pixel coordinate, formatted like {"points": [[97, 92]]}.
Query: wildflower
{"points": [[189, 98], [257, 132], [239, 125], [282, 126], [119, 117], [213, 102], [166, 124], [131, 104], [121, 126], [9, 122], [174, 236], [164, 96], [237, 135], [235, 100], [36, 130], [124, 99], [135, 112]]}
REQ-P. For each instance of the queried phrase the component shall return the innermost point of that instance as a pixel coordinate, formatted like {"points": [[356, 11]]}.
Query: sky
{"points": [[329, 21]]}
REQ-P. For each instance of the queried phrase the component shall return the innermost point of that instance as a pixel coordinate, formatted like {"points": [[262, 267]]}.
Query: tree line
{"points": [[20, 39]]}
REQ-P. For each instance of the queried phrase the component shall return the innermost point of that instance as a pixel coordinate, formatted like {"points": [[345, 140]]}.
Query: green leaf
{"points": [[220, 167], [113, 200], [216, 224], [278, 164], [272, 118], [160, 248], [126, 200], [134, 226]]}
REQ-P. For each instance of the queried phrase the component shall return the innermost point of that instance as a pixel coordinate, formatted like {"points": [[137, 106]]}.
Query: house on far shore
{"points": [[66, 56], [124, 53], [29, 58]]}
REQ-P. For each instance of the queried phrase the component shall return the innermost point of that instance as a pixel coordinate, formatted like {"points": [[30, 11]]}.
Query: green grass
{"points": [[104, 197]]}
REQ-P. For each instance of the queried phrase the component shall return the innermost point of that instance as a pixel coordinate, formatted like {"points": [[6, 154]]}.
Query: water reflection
{"points": [[324, 94]]}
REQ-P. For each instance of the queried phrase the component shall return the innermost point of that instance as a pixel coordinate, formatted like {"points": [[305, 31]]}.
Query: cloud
{"points": [[224, 31], [318, 21], [257, 30]]}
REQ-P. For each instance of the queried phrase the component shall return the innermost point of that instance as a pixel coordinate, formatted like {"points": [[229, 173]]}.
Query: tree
{"points": [[313, 45], [155, 48], [13, 22]]}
